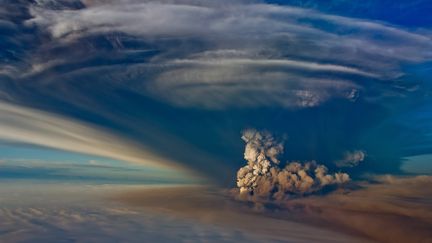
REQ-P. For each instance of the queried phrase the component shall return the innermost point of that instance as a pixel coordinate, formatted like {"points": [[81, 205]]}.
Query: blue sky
{"points": [[169, 86], [38, 163], [404, 13]]}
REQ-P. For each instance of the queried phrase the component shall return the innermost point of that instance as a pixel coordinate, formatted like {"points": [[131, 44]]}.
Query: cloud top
{"points": [[238, 53]]}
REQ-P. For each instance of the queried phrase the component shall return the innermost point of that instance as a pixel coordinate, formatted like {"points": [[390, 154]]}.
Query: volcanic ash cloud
{"points": [[264, 177], [351, 159]]}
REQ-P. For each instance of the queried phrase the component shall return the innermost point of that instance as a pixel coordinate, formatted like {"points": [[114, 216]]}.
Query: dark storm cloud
{"points": [[184, 77]]}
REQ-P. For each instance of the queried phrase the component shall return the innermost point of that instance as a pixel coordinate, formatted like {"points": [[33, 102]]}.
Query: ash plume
{"points": [[264, 177], [351, 158]]}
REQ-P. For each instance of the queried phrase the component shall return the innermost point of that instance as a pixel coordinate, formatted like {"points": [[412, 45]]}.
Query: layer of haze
{"points": [[58, 212], [388, 210]]}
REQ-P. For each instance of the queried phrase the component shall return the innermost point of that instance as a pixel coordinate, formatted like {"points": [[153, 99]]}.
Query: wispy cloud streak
{"points": [[29, 126], [239, 42]]}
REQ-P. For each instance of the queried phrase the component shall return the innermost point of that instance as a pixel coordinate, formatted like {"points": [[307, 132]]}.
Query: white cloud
{"points": [[230, 85], [29, 126], [299, 57], [274, 63]]}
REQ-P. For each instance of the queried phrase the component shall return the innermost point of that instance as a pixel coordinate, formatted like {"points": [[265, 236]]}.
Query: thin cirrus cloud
{"points": [[221, 51], [275, 63], [29, 126]]}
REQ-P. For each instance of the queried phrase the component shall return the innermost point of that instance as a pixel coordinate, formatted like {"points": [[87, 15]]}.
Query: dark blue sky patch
{"points": [[406, 13]]}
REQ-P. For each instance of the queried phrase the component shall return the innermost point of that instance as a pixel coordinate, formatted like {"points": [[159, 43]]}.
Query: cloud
{"points": [[217, 83], [389, 209], [64, 212], [262, 177], [274, 63], [29, 126], [236, 53], [92, 172], [351, 158], [215, 207], [117, 213]]}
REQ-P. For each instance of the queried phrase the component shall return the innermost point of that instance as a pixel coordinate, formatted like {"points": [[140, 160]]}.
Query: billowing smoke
{"points": [[264, 177], [351, 158]]}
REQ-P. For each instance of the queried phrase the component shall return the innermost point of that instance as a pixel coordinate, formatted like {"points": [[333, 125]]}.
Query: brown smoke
{"points": [[263, 176]]}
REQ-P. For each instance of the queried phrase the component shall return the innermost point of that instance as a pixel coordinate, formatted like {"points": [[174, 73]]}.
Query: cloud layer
{"points": [[236, 53], [113, 213], [81, 213], [29, 126], [391, 209], [387, 209]]}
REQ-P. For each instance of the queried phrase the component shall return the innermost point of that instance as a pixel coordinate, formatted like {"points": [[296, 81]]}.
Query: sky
{"points": [[150, 92]]}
